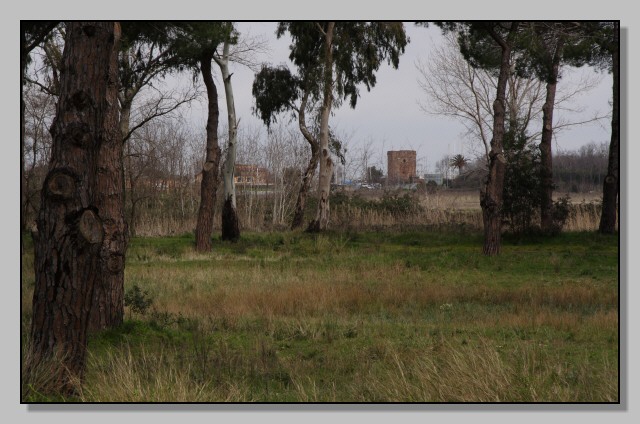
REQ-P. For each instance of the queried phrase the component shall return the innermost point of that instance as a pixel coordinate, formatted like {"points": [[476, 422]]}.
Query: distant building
{"points": [[436, 178], [245, 175], [250, 175], [401, 166]]}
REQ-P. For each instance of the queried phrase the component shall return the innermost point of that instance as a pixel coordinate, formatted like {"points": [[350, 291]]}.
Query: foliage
{"points": [[522, 182], [560, 213], [359, 48], [137, 300], [194, 42], [458, 161], [275, 90]]}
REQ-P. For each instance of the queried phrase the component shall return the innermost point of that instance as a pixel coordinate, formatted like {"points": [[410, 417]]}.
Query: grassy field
{"points": [[360, 317]]}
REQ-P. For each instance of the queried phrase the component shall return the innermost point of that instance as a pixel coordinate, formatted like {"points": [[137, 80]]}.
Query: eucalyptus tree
{"points": [[343, 56], [72, 222], [243, 53], [276, 90]]}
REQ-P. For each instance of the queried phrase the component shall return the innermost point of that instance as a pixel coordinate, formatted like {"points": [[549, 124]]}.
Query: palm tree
{"points": [[458, 161]]}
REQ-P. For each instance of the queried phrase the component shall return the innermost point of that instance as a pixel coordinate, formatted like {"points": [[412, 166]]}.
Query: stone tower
{"points": [[401, 166]]}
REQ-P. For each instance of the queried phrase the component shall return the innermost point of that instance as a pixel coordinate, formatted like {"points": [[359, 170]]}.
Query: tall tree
{"points": [[230, 222], [276, 90], [71, 224], [144, 56], [321, 221], [552, 52], [546, 47], [346, 54], [195, 45], [610, 46], [489, 45]]}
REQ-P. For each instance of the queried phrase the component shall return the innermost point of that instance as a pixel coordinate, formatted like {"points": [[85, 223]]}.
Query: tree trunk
{"points": [[23, 187], [298, 215], [546, 158], [107, 310], [301, 201], [611, 186], [321, 221], [71, 225], [204, 226], [491, 195], [230, 222]]}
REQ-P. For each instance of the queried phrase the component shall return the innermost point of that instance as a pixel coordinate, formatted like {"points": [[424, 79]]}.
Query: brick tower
{"points": [[401, 166]]}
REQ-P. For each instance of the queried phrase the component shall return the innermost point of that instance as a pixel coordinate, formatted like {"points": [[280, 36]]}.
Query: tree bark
{"points": [[321, 222], [491, 195], [107, 310], [23, 188], [230, 221], [71, 225], [611, 185], [546, 157], [204, 226]]}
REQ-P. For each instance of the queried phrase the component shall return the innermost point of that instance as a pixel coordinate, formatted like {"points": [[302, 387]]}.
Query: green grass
{"points": [[363, 317]]}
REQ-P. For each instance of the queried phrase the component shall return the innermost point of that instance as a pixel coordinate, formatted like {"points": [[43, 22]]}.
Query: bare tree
{"points": [[38, 116], [458, 90]]}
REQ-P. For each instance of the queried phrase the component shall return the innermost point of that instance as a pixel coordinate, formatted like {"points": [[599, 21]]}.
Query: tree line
{"points": [[99, 70]]}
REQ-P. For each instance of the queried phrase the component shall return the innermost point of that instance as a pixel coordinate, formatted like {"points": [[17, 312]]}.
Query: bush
{"points": [[560, 213], [137, 300], [522, 184]]}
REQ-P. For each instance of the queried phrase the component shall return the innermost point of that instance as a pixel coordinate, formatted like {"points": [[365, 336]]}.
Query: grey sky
{"points": [[389, 117]]}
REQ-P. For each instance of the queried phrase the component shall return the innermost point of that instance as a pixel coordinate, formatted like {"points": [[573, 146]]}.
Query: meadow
{"points": [[359, 316]]}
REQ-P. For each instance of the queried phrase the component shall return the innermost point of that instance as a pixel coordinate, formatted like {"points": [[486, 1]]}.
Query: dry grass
{"points": [[444, 208], [484, 372]]}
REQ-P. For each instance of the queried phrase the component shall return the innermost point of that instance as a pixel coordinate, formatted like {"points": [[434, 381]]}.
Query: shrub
{"points": [[522, 183], [137, 300], [560, 213]]}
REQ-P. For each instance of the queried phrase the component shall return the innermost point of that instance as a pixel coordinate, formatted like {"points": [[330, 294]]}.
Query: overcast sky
{"points": [[389, 117]]}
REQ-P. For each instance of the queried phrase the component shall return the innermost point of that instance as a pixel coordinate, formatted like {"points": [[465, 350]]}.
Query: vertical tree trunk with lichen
{"points": [[71, 226], [321, 222], [209, 184], [611, 185]]}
